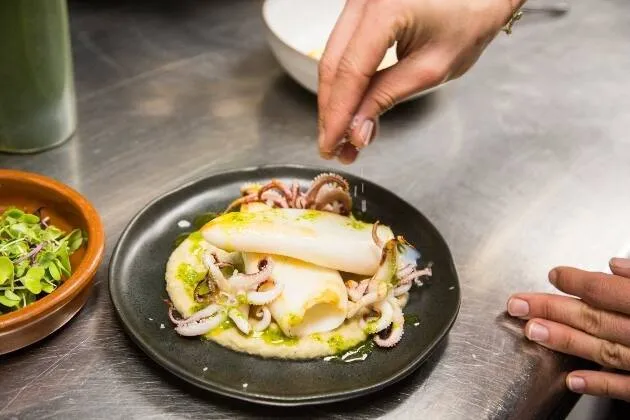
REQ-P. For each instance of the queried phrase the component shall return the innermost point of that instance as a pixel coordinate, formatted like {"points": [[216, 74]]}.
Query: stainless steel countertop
{"points": [[523, 164]]}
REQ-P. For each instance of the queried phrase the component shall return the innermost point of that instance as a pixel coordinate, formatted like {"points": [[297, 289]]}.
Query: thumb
{"points": [[413, 74]]}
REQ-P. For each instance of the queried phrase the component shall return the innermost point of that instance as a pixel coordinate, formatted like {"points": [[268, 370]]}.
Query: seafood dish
{"points": [[289, 272]]}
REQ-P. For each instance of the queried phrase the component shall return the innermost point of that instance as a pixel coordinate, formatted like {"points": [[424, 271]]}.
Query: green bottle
{"points": [[37, 99]]}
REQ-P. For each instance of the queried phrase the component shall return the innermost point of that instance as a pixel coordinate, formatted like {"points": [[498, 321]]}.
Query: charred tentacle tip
{"points": [[378, 241], [212, 289], [175, 319], [250, 198]]}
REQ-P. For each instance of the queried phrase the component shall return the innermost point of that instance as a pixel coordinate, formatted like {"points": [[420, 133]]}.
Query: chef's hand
{"points": [[594, 326], [438, 40]]}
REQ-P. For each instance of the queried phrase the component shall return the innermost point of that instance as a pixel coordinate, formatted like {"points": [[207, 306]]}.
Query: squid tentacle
{"points": [[275, 185], [386, 311], [378, 241], [321, 180], [171, 314], [402, 300], [295, 193], [265, 297], [198, 323], [201, 326], [416, 276], [357, 290], [365, 300], [239, 320], [402, 289], [334, 195], [250, 198], [209, 261], [242, 281], [272, 198], [397, 328], [405, 271], [265, 319], [300, 202], [206, 312]]}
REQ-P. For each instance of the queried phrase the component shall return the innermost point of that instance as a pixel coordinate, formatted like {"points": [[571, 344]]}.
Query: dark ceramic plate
{"points": [[137, 290]]}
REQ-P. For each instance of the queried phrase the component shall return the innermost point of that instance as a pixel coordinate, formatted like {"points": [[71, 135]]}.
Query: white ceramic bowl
{"points": [[297, 28]]}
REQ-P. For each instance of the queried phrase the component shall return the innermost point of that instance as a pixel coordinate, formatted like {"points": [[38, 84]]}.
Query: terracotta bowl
{"points": [[67, 210]]}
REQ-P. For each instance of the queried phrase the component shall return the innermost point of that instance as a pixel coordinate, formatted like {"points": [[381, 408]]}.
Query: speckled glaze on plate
{"points": [[137, 290]]}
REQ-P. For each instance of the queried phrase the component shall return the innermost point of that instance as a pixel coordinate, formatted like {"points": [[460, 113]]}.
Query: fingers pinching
{"points": [[605, 291], [340, 36], [356, 67], [568, 340], [604, 384]]}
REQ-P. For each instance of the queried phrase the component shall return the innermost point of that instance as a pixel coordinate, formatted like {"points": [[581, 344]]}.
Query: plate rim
{"points": [[249, 397]]}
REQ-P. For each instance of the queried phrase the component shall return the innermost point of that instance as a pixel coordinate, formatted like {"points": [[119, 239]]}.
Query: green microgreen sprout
{"points": [[34, 257]]}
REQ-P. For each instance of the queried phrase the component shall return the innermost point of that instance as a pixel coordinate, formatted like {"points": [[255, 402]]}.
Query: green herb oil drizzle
{"points": [[356, 354]]}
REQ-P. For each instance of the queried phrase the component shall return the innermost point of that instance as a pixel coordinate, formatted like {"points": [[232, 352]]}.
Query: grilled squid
{"points": [[277, 258], [199, 323]]}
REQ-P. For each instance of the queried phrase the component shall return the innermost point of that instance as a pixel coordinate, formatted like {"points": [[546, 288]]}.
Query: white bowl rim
{"points": [[268, 25]]}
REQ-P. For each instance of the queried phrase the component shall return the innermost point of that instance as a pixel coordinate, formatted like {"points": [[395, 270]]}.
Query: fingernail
{"points": [[537, 332], [323, 153], [553, 276], [576, 384], [517, 307], [620, 262], [334, 152], [354, 123], [326, 155], [366, 132]]}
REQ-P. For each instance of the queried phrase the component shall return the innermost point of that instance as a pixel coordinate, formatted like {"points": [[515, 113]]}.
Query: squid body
{"points": [[320, 238]]}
